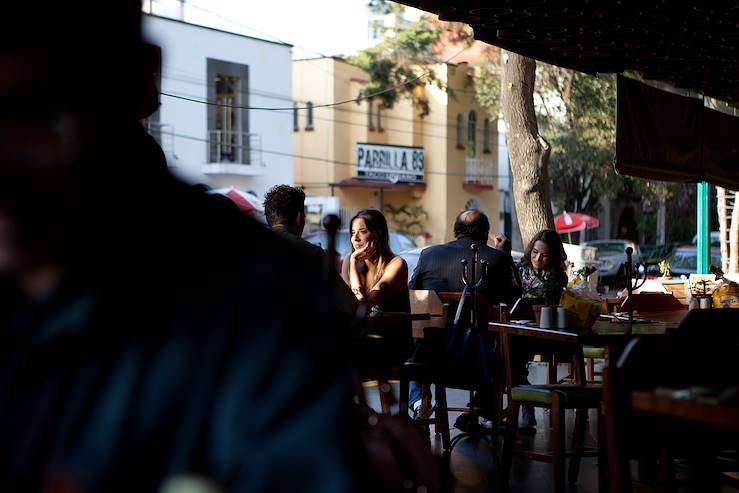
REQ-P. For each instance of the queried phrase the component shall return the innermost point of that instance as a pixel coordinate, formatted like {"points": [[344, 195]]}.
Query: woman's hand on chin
{"points": [[364, 252]]}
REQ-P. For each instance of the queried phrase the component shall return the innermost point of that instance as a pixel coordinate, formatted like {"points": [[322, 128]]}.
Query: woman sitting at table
{"points": [[543, 270], [377, 277]]}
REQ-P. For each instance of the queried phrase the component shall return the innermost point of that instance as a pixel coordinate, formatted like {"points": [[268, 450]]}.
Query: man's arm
{"points": [[511, 289]]}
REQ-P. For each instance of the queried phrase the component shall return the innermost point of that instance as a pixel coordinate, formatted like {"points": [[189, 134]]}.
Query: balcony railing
{"points": [[234, 147], [479, 172]]}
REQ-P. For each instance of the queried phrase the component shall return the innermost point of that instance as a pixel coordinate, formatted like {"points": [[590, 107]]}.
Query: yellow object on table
{"points": [[584, 311], [726, 295]]}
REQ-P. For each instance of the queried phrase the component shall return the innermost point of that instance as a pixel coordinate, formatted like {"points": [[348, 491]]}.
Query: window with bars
{"points": [[471, 134], [487, 138], [309, 115], [460, 131], [228, 122], [370, 115]]}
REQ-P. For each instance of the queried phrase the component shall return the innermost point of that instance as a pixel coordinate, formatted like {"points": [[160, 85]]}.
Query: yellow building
{"points": [[369, 156]]}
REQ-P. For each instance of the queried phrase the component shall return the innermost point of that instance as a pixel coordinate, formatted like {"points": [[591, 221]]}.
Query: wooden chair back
{"points": [[427, 301], [487, 311]]}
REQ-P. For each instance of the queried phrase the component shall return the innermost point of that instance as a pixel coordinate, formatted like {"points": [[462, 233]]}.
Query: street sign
{"points": [[394, 164]]}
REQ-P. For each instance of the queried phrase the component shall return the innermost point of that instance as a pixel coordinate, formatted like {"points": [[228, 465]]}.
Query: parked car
{"points": [[611, 255], [398, 243], [715, 238], [684, 260], [652, 255], [411, 258]]}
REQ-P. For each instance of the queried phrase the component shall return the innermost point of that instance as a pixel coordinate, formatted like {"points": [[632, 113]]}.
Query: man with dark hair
{"points": [[134, 348], [472, 224], [439, 269], [284, 207]]}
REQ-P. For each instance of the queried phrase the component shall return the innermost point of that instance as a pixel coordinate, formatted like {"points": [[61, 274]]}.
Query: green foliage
{"points": [[403, 60], [383, 7], [487, 85], [646, 223], [408, 218], [577, 115]]}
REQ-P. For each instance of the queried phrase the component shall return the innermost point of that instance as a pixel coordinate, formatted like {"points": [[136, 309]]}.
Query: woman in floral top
{"points": [[543, 271]]}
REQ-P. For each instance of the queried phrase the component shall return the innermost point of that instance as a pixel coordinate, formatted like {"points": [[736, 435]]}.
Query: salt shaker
{"points": [[705, 303], [561, 317], [547, 314]]}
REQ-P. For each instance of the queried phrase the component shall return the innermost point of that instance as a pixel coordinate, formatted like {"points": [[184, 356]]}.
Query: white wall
{"points": [[185, 49]]}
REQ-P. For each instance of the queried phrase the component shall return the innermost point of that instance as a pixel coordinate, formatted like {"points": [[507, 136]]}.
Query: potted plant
{"points": [[664, 269]]}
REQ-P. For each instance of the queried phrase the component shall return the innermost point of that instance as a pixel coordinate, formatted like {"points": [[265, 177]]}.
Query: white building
{"points": [[223, 143]]}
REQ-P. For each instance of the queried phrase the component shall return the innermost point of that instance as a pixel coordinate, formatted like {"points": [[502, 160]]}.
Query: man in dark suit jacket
{"points": [[284, 207], [439, 267]]}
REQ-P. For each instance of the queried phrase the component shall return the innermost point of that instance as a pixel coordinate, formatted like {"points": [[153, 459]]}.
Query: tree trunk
{"points": [[734, 237], [528, 151]]}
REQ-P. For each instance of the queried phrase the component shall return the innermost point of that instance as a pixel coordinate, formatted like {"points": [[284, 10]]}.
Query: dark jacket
{"points": [[439, 269], [189, 340]]}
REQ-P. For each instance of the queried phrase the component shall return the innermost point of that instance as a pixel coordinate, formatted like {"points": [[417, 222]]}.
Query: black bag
{"points": [[470, 357]]}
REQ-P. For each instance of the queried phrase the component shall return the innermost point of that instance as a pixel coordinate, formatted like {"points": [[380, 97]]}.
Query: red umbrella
{"points": [[569, 222], [241, 202], [247, 203]]}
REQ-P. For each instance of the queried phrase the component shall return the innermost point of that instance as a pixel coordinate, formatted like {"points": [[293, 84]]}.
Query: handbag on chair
{"points": [[470, 358]]}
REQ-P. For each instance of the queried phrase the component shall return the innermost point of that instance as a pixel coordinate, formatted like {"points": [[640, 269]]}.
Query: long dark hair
{"points": [[557, 255], [377, 226]]}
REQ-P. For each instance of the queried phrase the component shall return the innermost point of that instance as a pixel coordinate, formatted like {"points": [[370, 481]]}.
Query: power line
{"points": [[320, 159], [236, 23], [289, 98], [338, 103], [397, 130], [257, 92]]}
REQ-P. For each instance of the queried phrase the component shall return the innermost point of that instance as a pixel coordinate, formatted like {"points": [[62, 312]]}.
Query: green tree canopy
{"points": [[404, 60]]}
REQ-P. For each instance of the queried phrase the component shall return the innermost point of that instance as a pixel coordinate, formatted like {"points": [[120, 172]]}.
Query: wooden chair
{"points": [[427, 301], [428, 373], [424, 301], [556, 398]]}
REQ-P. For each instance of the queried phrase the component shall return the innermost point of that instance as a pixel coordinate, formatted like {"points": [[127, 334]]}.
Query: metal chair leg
{"points": [[508, 443]]}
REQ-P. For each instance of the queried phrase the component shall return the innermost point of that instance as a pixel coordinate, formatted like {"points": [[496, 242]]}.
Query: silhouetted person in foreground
{"points": [[142, 335]]}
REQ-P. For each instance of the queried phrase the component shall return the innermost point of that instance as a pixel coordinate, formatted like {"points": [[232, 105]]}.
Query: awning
{"points": [[692, 44], [379, 185], [665, 136]]}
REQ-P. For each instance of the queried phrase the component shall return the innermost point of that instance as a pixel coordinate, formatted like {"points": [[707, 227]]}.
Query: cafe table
{"points": [[610, 333], [701, 411]]}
